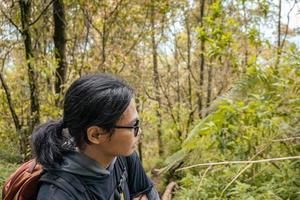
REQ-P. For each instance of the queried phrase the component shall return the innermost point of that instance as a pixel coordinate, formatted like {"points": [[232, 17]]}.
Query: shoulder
{"points": [[133, 156], [129, 162], [49, 191], [60, 185]]}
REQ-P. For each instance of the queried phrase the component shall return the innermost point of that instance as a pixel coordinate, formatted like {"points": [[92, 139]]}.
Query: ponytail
{"points": [[47, 142]]}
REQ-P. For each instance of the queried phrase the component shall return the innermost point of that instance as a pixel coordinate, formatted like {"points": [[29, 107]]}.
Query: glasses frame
{"points": [[136, 129]]}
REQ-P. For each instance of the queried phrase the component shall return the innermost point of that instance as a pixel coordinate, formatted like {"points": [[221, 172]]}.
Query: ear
{"points": [[95, 134]]}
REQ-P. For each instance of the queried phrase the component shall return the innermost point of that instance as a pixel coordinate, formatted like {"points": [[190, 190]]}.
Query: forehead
{"points": [[130, 114]]}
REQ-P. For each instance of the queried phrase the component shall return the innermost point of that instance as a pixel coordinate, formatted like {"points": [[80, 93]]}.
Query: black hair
{"points": [[98, 99]]}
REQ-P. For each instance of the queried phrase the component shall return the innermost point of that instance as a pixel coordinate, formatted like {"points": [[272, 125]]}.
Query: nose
{"points": [[140, 135]]}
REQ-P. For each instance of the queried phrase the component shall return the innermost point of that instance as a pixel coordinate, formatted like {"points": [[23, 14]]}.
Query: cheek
{"points": [[127, 142], [124, 144]]}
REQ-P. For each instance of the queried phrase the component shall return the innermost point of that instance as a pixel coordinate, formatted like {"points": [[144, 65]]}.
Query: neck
{"points": [[103, 159]]}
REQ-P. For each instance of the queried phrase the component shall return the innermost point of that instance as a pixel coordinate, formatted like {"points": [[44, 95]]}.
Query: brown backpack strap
{"points": [[31, 168], [23, 183]]}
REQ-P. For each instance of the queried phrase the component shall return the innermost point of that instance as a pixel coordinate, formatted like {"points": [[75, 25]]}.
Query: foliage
{"points": [[5, 170], [245, 125], [220, 53]]}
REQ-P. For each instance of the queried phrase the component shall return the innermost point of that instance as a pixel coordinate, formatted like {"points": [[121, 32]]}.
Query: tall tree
{"points": [[278, 34], [178, 91], [209, 85], [18, 126], [202, 60], [189, 68], [245, 24], [25, 10], [60, 41], [156, 78]]}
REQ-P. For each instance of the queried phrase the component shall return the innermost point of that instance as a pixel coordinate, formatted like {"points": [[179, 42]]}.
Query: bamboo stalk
{"points": [[202, 177], [286, 139], [241, 162], [235, 178]]}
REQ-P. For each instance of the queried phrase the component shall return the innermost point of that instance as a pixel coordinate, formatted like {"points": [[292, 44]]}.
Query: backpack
{"points": [[24, 182]]}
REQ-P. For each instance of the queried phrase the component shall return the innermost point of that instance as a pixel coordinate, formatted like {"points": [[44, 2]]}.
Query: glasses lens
{"points": [[136, 131]]}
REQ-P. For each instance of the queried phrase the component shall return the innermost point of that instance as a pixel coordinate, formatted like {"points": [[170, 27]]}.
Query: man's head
{"points": [[96, 103]]}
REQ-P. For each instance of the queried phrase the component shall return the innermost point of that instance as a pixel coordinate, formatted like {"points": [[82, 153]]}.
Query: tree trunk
{"points": [[278, 35], [169, 190], [10, 104], [25, 8], [189, 63], [59, 38], [140, 146], [22, 136], [245, 40], [156, 80], [178, 118], [103, 55], [209, 87], [202, 60], [190, 104], [83, 56]]}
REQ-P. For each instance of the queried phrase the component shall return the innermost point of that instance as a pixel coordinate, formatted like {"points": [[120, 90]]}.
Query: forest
{"points": [[217, 86]]}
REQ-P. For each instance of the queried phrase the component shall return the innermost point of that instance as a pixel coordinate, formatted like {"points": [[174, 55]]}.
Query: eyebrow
{"points": [[134, 120]]}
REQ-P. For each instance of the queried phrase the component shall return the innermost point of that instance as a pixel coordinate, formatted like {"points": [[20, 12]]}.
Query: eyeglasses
{"points": [[135, 128]]}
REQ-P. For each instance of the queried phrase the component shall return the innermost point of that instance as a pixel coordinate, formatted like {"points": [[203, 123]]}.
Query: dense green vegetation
{"points": [[215, 81], [257, 119]]}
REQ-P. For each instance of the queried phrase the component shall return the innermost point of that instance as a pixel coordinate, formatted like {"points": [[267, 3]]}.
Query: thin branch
{"points": [[112, 15], [11, 21], [114, 12], [139, 35], [245, 168], [169, 107], [9, 102], [241, 162], [202, 177], [41, 14], [234, 179], [85, 47], [149, 96], [287, 26], [86, 14]]}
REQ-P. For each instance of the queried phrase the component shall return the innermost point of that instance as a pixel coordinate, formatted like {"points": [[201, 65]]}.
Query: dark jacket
{"points": [[80, 177]]}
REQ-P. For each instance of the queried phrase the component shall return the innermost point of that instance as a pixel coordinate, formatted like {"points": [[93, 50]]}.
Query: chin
{"points": [[128, 153]]}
